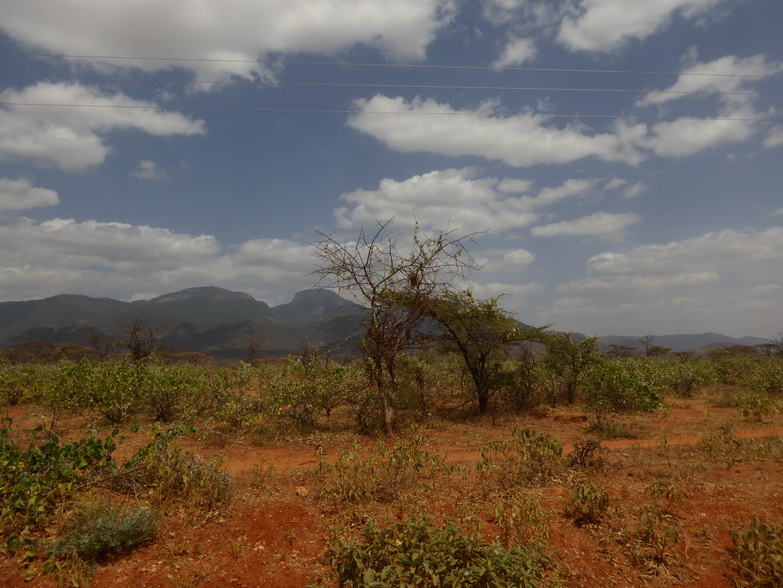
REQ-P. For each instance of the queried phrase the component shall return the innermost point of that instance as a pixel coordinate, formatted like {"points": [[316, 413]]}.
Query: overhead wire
{"points": [[382, 65], [386, 112], [494, 88], [387, 86]]}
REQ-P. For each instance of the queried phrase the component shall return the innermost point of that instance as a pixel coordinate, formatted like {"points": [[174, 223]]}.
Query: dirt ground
{"points": [[272, 534]]}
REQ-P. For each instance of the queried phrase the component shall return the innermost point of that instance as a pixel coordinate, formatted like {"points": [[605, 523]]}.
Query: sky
{"points": [[621, 159]]}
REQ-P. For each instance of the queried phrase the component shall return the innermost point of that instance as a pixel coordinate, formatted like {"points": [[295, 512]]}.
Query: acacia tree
{"points": [[395, 286], [570, 358], [480, 332], [140, 336]]}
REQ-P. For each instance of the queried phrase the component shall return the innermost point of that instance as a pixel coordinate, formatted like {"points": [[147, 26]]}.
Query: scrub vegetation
{"points": [[124, 448]]}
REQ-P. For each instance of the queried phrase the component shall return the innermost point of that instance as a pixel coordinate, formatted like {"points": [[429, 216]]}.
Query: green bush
{"points": [[587, 505], [105, 530], [757, 557], [608, 427], [416, 553], [616, 386], [166, 473], [33, 482], [527, 458], [657, 536], [381, 474], [112, 388]]}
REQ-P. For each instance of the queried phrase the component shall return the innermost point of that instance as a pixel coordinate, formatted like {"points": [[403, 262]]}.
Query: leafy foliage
{"points": [[381, 474], [479, 331], [34, 481], [417, 553], [165, 473], [527, 458], [394, 285], [587, 505], [615, 386], [568, 359], [105, 530], [757, 557]]}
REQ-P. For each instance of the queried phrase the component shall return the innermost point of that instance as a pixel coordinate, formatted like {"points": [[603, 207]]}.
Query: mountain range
{"points": [[218, 322], [225, 324]]}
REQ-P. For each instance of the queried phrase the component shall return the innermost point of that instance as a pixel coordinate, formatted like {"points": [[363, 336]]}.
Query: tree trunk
{"points": [[388, 413]]}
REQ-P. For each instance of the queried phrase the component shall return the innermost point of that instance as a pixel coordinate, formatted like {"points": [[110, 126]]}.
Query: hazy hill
{"points": [[216, 321], [223, 323], [679, 343]]}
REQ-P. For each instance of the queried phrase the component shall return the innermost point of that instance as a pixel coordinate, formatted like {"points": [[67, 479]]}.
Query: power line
{"points": [[383, 112], [389, 86], [384, 65]]}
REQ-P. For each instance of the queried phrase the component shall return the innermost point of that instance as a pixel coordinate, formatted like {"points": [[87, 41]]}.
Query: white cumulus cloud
{"points": [[73, 138], [516, 52], [111, 259], [605, 25], [442, 200], [774, 137], [678, 287], [228, 37], [20, 194], [604, 225], [686, 136], [520, 141], [728, 76], [149, 170]]}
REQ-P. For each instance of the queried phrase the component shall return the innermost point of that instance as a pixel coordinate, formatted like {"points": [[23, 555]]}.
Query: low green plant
{"points": [[33, 482], [657, 535], [164, 472], [726, 447], [757, 405], [417, 553], [519, 519], [527, 458], [105, 530], [757, 557], [380, 474], [665, 495], [607, 427], [587, 454], [587, 505]]}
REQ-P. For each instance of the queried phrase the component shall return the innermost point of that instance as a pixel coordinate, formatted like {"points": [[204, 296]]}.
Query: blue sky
{"points": [[624, 157]]}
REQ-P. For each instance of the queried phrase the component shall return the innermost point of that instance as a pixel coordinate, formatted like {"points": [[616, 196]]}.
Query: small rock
{"points": [[302, 491]]}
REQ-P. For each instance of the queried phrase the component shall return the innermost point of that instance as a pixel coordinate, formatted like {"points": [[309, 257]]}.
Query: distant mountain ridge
{"points": [[224, 324], [682, 343], [216, 321]]}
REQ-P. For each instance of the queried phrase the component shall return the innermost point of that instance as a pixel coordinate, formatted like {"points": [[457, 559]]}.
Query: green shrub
{"points": [[607, 427], [527, 458], [757, 557], [520, 520], [417, 553], [381, 474], [587, 454], [616, 386], [166, 473], [682, 376], [105, 530], [35, 481], [587, 505], [726, 447], [112, 388], [657, 536]]}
